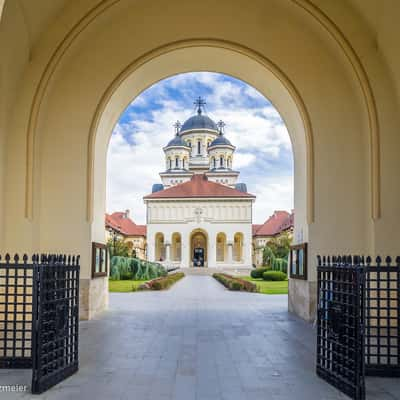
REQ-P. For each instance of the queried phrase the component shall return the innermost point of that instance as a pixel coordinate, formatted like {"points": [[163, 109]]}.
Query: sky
{"points": [[263, 149]]}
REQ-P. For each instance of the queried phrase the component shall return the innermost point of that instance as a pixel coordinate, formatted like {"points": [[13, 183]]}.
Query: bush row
{"points": [[164, 282], [267, 274], [257, 273], [127, 268], [233, 283], [274, 276]]}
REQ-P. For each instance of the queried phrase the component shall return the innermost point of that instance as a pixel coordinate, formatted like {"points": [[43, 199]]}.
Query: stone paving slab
{"points": [[196, 341]]}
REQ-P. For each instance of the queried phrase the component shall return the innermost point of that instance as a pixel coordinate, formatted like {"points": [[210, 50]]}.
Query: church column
{"points": [[248, 248], [167, 251], [230, 252], [212, 251], [185, 251]]}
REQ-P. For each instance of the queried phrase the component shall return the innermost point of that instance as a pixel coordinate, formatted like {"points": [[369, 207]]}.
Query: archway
{"points": [[176, 247], [198, 248], [63, 85], [160, 248], [343, 124]]}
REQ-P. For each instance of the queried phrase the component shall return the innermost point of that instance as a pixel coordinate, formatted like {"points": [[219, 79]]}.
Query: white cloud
{"points": [[135, 155], [273, 193], [243, 159]]}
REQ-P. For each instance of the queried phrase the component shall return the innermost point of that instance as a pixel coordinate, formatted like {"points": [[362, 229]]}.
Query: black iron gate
{"points": [[39, 317], [358, 329]]}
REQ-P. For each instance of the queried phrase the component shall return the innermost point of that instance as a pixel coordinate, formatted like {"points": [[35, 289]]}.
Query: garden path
{"points": [[196, 341]]}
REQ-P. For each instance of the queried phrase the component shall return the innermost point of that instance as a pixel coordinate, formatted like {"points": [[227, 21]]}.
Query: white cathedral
{"points": [[200, 216]]}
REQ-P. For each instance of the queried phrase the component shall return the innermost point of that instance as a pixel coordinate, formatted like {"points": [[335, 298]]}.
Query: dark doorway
{"points": [[198, 257]]}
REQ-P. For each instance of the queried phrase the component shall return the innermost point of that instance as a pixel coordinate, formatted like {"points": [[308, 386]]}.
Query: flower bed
{"points": [[233, 283], [164, 282]]}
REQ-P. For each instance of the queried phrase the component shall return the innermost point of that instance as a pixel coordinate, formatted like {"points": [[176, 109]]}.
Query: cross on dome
{"points": [[177, 126], [199, 103], [221, 125]]}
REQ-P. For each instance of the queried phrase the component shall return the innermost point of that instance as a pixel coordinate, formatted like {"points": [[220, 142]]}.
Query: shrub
{"points": [[258, 272], [134, 268], [164, 282], [234, 283], [274, 276]]}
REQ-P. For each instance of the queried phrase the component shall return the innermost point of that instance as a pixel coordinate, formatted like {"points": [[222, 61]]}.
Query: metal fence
{"points": [[358, 330], [39, 316]]}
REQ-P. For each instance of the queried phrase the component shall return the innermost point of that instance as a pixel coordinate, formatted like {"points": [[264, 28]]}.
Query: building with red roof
{"points": [[121, 226], [277, 224]]}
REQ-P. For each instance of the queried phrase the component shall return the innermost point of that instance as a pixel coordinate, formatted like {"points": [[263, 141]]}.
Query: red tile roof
{"points": [[198, 186], [256, 227], [121, 222], [276, 223]]}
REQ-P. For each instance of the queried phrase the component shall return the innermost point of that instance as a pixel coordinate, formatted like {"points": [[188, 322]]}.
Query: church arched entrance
{"points": [[198, 249]]}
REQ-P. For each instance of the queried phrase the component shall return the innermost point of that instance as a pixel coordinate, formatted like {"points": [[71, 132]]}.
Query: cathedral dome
{"points": [[176, 141], [199, 121], [221, 140]]}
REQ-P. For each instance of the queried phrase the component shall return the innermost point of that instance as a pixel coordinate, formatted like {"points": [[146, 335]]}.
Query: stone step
{"points": [[210, 271]]}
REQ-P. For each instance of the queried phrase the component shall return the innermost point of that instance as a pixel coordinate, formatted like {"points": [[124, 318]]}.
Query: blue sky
{"points": [[263, 149]]}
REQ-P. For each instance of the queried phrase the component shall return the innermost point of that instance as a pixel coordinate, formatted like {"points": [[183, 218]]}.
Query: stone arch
{"points": [[176, 247], [271, 66], [160, 249], [310, 9], [238, 247], [199, 240]]}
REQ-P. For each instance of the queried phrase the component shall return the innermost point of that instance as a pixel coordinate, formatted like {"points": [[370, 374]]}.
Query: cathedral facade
{"points": [[199, 216]]}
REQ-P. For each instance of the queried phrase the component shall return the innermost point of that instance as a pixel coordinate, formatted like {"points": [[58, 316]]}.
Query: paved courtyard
{"points": [[196, 341]]}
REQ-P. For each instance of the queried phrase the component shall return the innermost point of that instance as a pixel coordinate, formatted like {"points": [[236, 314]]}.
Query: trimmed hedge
{"points": [[164, 282], [233, 283], [258, 272], [274, 276], [127, 268]]}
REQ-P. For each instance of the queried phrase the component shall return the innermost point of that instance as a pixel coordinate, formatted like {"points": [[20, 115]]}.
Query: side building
{"points": [[121, 226], [278, 223]]}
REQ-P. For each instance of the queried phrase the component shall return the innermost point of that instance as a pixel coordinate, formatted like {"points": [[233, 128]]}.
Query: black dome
{"points": [[199, 121]]}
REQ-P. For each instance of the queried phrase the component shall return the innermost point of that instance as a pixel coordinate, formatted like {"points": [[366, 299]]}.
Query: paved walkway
{"points": [[196, 341]]}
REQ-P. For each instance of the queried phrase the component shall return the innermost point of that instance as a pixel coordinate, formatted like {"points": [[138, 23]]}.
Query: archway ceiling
{"points": [[39, 18]]}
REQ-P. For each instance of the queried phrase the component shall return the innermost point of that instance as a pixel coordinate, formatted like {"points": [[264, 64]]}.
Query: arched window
{"points": [[221, 161], [238, 247], [183, 163], [170, 163], [199, 147], [215, 162], [189, 143], [176, 162], [176, 252], [159, 247], [221, 247]]}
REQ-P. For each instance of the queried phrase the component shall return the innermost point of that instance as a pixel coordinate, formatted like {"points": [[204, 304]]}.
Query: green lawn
{"points": [[269, 287], [123, 286]]}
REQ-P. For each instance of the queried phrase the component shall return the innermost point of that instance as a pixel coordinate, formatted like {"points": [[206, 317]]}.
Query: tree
{"points": [[276, 252], [118, 247], [280, 245]]}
